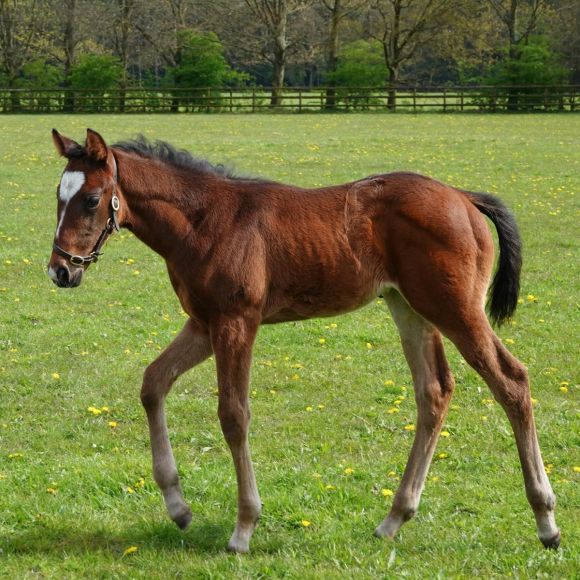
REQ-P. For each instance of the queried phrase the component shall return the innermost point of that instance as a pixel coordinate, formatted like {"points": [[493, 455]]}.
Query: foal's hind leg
{"points": [[188, 349], [433, 384], [508, 380]]}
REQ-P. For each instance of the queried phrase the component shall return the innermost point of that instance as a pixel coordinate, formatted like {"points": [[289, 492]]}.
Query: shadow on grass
{"points": [[62, 538]]}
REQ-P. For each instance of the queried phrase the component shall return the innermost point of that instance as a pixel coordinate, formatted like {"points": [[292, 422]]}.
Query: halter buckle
{"points": [[115, 203], [77, 260]]}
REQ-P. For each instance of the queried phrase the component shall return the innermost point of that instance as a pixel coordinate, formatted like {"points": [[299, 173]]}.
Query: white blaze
{"points": [[70, 184]]}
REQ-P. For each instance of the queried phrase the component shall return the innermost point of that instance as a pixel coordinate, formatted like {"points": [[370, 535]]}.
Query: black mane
{"points": [[169, 154]]}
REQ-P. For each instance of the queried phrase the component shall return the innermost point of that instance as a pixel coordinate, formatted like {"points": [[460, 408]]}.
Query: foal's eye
{"points": [[93, 201]]}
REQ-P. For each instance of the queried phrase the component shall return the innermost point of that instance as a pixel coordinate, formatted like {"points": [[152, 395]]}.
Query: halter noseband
{"points": [[111, 226]]}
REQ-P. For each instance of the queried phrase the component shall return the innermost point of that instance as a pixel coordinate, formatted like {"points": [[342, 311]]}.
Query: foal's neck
{"points": [[159, 200]]}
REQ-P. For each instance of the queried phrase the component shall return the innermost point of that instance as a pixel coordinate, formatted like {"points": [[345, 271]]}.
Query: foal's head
{"points": [[87, 206]]}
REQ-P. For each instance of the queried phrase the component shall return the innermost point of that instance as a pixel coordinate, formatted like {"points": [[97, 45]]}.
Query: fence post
{"points": [[444, 100], [253, 100], [414, 100], [300, 100], [461, 100], [231, 101]]}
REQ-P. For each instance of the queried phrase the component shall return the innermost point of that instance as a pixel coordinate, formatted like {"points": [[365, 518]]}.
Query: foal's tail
{"points": [[505, 288]]}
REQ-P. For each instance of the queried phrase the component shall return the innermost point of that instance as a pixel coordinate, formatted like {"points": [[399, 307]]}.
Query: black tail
{"points": [[505, 288]]}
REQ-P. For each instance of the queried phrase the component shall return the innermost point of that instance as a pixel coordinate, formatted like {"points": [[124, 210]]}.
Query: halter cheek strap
{"points": [[111, 226]]}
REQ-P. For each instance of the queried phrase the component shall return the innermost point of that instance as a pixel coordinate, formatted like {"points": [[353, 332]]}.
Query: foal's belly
{"points": [[319, 304]]}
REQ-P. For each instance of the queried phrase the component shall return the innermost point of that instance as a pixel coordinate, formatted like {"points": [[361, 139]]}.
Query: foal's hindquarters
{"points": [[443, 291]]}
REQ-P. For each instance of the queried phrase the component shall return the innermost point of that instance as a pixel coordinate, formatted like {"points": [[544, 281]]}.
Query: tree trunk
{"points": [[280, 48], [126, 12], [392, 88], [69, 50], [332, 57]]}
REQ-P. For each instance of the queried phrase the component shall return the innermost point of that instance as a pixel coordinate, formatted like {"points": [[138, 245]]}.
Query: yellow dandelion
{"points": [[130, 490], [393, 410], [409, 427], [320, 407], [136, 272], [309, 409], [304, 523], [51, 490], [434, 478], [316, 475], [55, 376], [509, 341], [369, 345], [442, 455], [113, 424], [389, 382], [130, 550], [105, 409], [445, 433], [531, 298], [321, 340], [387, 492], [484, 417], [564, 389], [576, 469], [94, 410], [534, 401], [349, 471], [329, 487]]}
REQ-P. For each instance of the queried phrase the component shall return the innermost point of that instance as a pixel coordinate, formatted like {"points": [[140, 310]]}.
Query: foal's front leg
{"points": [[232, 340], [189, 348]]}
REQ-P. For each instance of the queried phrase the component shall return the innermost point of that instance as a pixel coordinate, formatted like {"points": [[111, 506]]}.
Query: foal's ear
{"points": [[66, 147], [96, 146]]}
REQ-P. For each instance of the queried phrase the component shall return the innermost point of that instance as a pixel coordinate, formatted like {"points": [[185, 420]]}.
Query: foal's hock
{"points": [[243, 252]]}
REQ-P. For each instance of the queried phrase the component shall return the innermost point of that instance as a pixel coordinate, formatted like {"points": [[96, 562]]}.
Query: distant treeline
{"points": [[117, 45]]}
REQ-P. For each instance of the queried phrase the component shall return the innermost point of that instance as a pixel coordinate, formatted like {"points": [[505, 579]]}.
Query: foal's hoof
{"points": [[183, 519], [552, 543]]}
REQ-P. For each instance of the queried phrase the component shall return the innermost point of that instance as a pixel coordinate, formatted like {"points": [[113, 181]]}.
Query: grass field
{"points": [[77, 498]]}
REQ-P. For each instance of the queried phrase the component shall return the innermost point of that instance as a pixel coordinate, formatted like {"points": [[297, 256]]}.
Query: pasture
{"points": [[332, 401]]}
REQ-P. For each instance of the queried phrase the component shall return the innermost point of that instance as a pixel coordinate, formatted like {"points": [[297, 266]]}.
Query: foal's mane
{"points": [[168, 153]]}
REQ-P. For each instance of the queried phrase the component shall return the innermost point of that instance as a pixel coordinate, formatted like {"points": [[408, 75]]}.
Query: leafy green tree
{"points": [[201, 67], [360, 64], [532, 64], [100, 72], [531, 67], [202, 62], [39, 74], [97, 74]]}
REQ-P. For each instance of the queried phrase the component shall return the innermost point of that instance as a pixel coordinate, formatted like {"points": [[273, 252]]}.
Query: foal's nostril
{"points": [[63, 276]]}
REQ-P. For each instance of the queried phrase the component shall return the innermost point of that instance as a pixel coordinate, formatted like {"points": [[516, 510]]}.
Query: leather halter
{"points": [[111, 226]]}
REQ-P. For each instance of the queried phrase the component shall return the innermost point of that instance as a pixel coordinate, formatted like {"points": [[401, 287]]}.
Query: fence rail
{"points": [[294, 99]]}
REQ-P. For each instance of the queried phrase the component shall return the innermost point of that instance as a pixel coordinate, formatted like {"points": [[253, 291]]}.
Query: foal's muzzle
{"points": [[64, 278]]}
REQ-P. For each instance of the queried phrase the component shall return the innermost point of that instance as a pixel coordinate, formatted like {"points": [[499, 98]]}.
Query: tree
{"points": [[518, 27], [401, 26], [273, 14], [338, 10], [18, 25], [202, 65]]}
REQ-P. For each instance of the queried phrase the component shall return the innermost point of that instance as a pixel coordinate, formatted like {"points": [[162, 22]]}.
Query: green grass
{"points": [[64, 351]]}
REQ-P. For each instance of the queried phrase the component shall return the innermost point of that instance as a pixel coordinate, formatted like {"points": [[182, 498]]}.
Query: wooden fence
{"points": [[296, 100]]}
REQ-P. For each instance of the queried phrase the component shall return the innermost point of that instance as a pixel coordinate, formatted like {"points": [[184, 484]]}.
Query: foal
{"points": [[243, 252]]}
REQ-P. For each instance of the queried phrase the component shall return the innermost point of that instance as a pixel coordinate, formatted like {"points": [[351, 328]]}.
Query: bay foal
{"points": [[244, 252]]}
